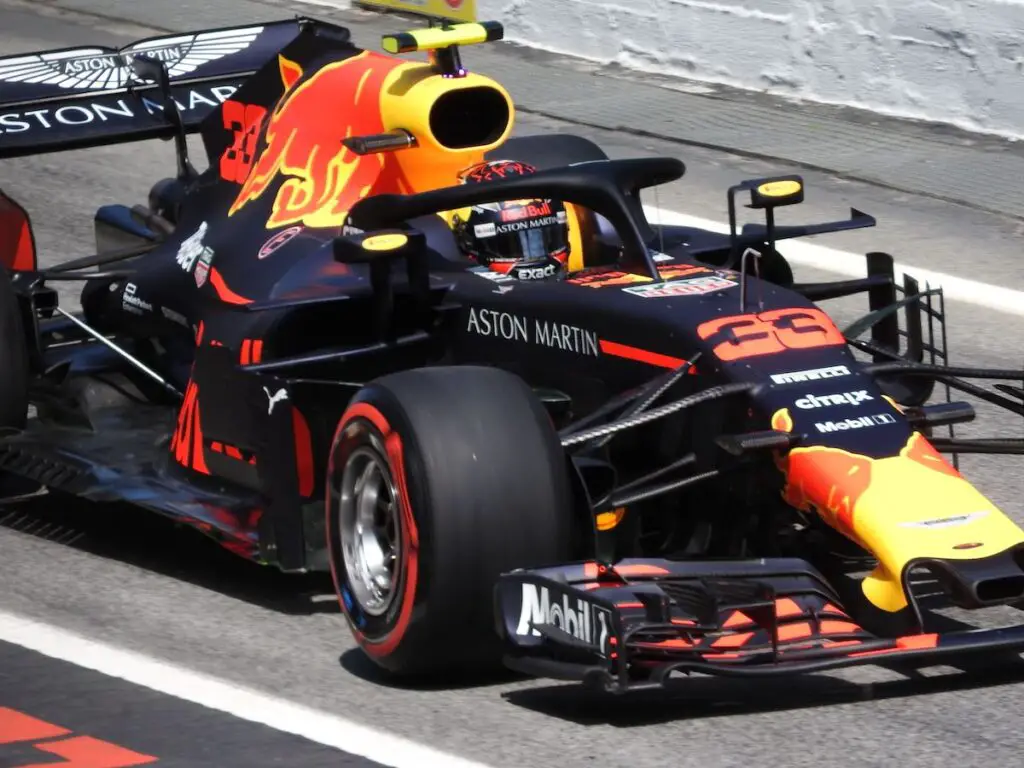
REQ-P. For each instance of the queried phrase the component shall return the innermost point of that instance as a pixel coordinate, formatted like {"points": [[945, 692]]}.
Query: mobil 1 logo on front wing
{"points": [[530, 610]]}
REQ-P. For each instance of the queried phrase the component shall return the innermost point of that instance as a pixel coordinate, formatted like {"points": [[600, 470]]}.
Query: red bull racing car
{"points": [[668, 458]]}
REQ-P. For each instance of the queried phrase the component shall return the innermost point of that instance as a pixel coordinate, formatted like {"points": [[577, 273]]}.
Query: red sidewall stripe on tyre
{"points": [[410, 540]]}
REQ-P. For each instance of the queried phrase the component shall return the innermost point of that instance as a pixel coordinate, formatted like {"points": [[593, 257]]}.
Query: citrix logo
{"points": [[823, 401]]}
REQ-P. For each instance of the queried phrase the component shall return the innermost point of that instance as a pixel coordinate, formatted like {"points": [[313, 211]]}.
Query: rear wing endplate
{"points": [[81, 97]]}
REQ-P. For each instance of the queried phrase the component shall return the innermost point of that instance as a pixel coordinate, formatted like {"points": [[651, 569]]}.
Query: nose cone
{"points": [[918, 507], [910, 507]]}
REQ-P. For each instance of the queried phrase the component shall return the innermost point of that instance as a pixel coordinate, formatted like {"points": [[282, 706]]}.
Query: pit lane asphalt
{"points": [[175, 597], [50, 707]]}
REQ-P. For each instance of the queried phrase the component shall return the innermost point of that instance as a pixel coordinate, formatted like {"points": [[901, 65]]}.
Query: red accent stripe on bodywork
{"points": [[627, 352]]}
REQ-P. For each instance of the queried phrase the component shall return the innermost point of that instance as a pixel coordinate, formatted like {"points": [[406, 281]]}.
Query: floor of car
{"points": [[126, 458]]}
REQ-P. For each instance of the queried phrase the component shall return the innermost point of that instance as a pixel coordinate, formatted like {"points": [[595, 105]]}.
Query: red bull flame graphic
{"points": [[832, 480], [323, 178], [828, 481]]}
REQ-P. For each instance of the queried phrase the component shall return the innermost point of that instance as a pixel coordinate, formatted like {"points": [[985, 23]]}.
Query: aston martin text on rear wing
{"points": [[80, 97]]}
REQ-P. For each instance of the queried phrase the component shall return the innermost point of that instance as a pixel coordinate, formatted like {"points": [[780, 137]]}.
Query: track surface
{"points": [[52, 708], [174, 597]]}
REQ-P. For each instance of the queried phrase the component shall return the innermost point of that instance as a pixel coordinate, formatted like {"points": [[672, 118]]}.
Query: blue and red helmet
{"points": [[526, 239]]}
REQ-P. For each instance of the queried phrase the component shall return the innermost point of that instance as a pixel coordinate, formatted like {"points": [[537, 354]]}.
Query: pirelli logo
{"points": [[812, 375]]}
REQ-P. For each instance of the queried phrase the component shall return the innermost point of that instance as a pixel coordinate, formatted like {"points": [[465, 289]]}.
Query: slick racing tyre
{"points": [[13, 360], [439, 480]]}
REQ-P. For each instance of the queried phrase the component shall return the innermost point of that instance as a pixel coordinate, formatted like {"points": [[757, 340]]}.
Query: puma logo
{"points": [[275, 398]]}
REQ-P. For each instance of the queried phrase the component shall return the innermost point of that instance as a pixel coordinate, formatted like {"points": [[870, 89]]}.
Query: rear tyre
{"points": [[439, 480], [14, 370]]}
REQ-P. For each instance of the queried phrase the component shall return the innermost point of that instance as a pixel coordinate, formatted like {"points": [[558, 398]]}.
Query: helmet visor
{"points": [[526, 240]]}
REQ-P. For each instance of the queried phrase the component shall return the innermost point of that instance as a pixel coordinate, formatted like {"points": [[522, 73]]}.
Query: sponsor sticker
{"points": [[174, 317], [484, 230], [586, 621], [192, 248], [602, 277], [544, 333], [694, 286], [108, 108], [92, 69], [536, 273], [526, 211], [277, 241], [132, 303], [860, 422], [203, 267], [947, 522], [490, 274], [813, 374], [522, 225], [273, 398], [824, 401]]}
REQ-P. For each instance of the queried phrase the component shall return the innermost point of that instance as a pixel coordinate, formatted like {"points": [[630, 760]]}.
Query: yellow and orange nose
{"points": [[903, 508]]}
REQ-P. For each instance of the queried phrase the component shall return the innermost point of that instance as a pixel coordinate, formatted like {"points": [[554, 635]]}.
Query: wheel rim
{"points": [[368, 517]]}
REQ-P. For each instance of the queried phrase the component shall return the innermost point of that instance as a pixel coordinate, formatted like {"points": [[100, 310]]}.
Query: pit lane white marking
{"points": [[338, 5], [853, 265], [207, 691]]}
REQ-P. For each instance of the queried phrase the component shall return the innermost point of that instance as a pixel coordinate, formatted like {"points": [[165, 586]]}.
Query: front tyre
{"points": [[439, 480]]}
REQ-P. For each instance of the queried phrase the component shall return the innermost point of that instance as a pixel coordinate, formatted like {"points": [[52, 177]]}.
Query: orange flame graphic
{"points": [[303, 142], [832, 480]]}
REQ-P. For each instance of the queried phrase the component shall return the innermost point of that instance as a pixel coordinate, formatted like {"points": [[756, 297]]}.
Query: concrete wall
{"points": [[955, 61]]}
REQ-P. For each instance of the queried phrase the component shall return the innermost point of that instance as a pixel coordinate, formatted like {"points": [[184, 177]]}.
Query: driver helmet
{"points": [[525, 239]]}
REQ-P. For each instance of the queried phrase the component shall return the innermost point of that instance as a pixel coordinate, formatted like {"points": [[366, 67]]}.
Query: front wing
{"points": [[634, 625]]}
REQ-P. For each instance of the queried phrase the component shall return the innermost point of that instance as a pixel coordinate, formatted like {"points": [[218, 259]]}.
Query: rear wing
{"points": [[81, 97]]}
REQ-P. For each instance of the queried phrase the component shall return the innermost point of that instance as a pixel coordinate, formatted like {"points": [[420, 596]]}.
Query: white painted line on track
{"points": [[211, 692], [337, 5], [807, 254]]}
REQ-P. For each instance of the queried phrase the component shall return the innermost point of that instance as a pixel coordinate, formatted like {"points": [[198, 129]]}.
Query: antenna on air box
{"points": [[766, 195]]}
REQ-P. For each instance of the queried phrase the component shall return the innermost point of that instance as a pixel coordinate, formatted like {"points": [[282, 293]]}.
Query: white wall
{"points": [[956, 61]]}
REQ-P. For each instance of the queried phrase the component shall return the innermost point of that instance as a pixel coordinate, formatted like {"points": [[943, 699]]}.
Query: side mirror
{"points": [[17, 243], [380, 250]]}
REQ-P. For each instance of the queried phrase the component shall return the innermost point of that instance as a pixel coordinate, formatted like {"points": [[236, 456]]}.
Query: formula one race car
{"points": [[665, 457]]}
